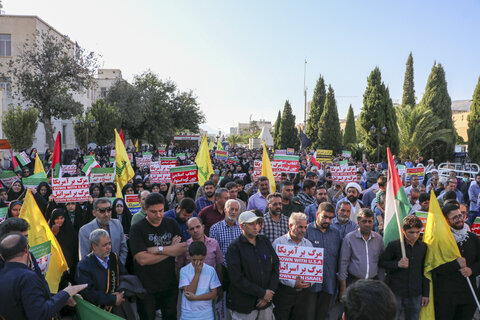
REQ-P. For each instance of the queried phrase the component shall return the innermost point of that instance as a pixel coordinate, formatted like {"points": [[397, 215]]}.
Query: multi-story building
{"points": [[248, 128], [17, 30]]}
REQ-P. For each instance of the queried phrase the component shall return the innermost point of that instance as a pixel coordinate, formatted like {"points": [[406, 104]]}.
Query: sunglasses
{"points": [[103, 210]]}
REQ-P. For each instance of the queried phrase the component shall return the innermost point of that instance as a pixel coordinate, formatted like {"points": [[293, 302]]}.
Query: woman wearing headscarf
{"points": [[14, 209], [138, 185], [121, 212], [16, 191], [45, 203], [76, 214], [128, 189], [67, 237]]}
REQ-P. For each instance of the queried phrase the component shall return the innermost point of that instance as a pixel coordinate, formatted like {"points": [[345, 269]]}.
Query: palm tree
{"points": [[233, 140], [418, 129]]}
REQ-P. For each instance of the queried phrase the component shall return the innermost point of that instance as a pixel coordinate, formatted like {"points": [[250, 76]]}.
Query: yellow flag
{"points": [[123, 168], [210, 145], [136, 145], [38, 165], [441, 248], [267, 168], [219, 145], [43, 243], [203, 162]]}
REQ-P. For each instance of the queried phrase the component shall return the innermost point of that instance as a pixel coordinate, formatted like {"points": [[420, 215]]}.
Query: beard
{"points": [[352, 199]]}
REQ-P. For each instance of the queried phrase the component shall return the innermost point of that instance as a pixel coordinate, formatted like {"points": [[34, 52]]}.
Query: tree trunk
{"points": [[47, 123]]}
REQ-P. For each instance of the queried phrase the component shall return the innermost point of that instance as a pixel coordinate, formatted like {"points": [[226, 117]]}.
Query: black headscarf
{"points": [[49, 190], [12, 195], [10, 206], [126, 215], [66, 237], [128, 185]]}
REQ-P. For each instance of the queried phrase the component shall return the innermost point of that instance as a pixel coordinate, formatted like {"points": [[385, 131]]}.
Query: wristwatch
{"points": [[160, 249]]}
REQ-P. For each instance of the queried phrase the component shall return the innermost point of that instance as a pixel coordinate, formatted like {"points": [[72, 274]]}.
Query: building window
{"points": [[5, 45], [6, 86], [103, 92], [64, 134]]}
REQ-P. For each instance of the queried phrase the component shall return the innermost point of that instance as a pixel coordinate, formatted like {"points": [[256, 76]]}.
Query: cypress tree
{"points": [[408, 98], [437, 99], [378, 111], [276, 129], [329, 136], [287, 136], [350, 134], [474, 126], [316, 109]]}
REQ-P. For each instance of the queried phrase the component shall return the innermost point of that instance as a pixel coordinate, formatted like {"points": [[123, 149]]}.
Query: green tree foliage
{"points": [[316, 109], [156, 107], [329, 136], [276, 129], [350, 134], [83, 126], [437, 99], [288, 133], [378, 111], [233, 139], [418, 129], [45, 75], [474, 126], [408, 98], [19, 126], [106, 118]]}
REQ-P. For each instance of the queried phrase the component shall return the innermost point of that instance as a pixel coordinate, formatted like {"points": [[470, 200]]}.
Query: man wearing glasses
{"points": [[453, 298], [102, 210]]}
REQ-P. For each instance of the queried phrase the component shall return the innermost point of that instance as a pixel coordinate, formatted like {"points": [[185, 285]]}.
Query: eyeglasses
{"points": [[103, 210], [458, 217]]}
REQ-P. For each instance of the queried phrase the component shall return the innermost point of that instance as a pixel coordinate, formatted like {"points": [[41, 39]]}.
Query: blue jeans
{"points": [[410, 306]]}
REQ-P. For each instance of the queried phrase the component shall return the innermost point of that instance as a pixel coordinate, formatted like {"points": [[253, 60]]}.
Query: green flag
{"points": [[87, 311]]}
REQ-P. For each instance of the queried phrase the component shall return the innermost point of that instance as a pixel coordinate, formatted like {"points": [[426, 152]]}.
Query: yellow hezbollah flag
{"points": [[441, 248], [38, 165], [219, 145], [210, 145], [123, 168], [203, 162], [43, 243], [267, 168]]}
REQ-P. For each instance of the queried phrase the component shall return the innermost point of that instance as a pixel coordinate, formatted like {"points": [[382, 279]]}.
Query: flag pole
{"points": [[473, 292], [400, 233]]}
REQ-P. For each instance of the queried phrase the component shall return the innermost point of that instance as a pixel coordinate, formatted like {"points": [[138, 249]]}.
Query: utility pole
{"points": [[305, 94]]}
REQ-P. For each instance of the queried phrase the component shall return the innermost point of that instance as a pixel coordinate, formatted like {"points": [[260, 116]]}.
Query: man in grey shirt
{"points": [[342, 221], [360, 253]]}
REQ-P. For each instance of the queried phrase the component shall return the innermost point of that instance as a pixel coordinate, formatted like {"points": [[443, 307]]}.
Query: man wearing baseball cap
{"points": [[253, 266]]}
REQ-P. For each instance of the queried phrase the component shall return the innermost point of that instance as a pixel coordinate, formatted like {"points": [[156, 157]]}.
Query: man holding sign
{"points": [[292, 295]]}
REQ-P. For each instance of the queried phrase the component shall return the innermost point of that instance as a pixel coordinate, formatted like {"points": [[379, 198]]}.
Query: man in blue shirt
{"points": [[320, 197], [184, 211]]}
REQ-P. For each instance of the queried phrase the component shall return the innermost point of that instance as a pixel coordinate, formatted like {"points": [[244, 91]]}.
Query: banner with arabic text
{"points": [[303, 262], [71, 189], [184, 175]]}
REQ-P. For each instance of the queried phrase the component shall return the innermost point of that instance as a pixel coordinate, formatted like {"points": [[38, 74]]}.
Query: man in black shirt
{"points": [[155, 242], [405, 275], [253, 267]]}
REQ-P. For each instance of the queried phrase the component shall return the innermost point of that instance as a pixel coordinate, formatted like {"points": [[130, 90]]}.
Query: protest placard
{"points": [[221, 154], [181, 156], [160, 173], [401, 171], [143, 162], [419, 172], [305, 262], [168, 161], [476, 226], [87, 158], [23, 158], [162, 150], [346, 154], [71, 189], [324, 155], [34, 180], [239, 175], [232, 160], [343, 174], [102, 175], [257, 170], [70, 169], [281, 152], [290, 151], [8, 177], [42, 253], [284, 163], [422, 215], [3, 214], [133, 203], [343, 163], [184, 175], [112, 153]]}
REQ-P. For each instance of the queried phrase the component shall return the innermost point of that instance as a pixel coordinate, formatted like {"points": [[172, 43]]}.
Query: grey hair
{"points": [[230, 201], [296, 216], [100, 201], [95, 235], [219, 191]]}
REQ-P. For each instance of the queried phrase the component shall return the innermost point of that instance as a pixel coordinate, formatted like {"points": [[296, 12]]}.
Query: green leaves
{"points": [[19, 126], [316, 110], [350, 134], [288, 135], [329, 136], [474, 126]]}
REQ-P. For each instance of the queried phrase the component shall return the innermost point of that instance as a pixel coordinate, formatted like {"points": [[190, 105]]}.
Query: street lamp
{"points": [[86, 125], [374, 132]]}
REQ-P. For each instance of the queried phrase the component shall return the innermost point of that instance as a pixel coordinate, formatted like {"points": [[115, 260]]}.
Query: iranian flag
{"points": [[397, 205], [56, 159], [92, 163]]}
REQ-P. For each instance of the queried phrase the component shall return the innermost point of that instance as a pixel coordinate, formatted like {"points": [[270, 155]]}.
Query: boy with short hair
{"points": [[199, 283], [405, 275]]}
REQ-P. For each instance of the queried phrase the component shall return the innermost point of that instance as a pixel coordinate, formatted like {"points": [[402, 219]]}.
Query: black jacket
{"points": [[406, 282], [252, 270], [448, 283]]}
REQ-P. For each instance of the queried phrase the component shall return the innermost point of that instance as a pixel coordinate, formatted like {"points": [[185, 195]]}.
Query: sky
{"points": [[245, 58]]}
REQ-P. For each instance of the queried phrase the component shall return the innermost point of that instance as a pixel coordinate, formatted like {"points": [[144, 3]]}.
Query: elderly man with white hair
{"points": [[353, 191]]}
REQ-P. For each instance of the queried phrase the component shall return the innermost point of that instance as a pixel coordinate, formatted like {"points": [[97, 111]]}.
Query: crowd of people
{"points": [[190, 247]]}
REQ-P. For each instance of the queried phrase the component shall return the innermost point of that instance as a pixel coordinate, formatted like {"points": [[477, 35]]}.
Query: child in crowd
{"points": [[199, 283]]}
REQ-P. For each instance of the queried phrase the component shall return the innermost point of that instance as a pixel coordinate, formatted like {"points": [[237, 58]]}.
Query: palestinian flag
{"points": [[395, 193], [57, 155], [92, 163], [14, 162]]}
